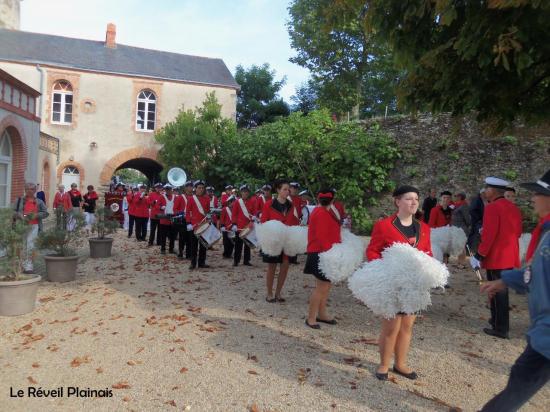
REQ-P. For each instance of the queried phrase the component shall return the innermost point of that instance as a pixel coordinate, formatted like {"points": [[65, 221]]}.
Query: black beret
{"points": [[401, 190]]}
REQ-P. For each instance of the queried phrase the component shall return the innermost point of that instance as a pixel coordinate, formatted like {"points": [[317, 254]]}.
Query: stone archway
{"points": [[13, 126], [72, 163], [144, 159]]}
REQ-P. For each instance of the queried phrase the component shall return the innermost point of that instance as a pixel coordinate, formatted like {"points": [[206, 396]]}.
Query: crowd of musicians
{"points": [[492, 221]]}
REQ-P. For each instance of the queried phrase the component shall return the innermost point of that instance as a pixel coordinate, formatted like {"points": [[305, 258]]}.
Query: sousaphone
{"points": [[176, 177]]}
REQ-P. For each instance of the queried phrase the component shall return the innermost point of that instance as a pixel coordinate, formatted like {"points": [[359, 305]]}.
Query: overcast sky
{"points": [[238, 31]]}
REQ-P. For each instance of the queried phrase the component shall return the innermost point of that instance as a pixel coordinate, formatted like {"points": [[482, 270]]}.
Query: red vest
{"points": [[238, 217], [385, 233], [323, 231], [502, 227]]}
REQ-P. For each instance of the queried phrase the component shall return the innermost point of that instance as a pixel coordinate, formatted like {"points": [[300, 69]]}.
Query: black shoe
{"points": [[204, 266], [495, 333], [381, 376], [235, 264], [329, 322], [316, 326], [247, 264], [412, 376], [172, 252], [192, 267], [272, 300], [180, 257], [163, 252]]}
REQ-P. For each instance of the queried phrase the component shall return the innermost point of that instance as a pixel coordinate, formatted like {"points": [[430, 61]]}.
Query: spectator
{"points": [[429, 203]]}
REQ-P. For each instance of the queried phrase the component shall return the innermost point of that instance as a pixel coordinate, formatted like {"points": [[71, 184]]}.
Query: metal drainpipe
{"points": [[41, 70]]}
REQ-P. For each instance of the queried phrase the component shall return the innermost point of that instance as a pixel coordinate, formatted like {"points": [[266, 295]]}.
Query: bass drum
{"points": [[248, 235]]}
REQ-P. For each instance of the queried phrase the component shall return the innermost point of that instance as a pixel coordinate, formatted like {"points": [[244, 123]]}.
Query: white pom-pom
{"points": [[451, 240], [340, 261], [524, 241], [437, 252], [399, 282], [295, 241], [271, 237]]}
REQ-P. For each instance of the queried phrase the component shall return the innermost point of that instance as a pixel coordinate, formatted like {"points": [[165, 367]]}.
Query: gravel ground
{"points": [[162, 338]]}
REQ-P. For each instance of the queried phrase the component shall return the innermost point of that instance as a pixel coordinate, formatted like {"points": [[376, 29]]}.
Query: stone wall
{"points": [[457, 154], [9, 14]]}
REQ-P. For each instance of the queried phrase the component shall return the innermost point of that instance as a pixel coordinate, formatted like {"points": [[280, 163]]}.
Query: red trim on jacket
{"points": [[385, 233], [323, 231], [502, 227], [238, 217]]}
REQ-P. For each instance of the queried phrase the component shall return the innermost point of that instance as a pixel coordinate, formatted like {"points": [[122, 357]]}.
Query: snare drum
{"points": [[248, 235], [231, 236], [208, 236], [201, 228]]}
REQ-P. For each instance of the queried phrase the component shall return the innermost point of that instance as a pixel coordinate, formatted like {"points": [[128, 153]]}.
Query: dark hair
{"points": [[279, 183], [325, 201], [510, 189], [90, 187], [461, 196], [446, 193]]}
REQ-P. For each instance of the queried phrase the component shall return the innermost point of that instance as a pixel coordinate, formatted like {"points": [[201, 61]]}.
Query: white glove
{"points": [[162, 207], [189, 227], [234, 228], [475, 263]]}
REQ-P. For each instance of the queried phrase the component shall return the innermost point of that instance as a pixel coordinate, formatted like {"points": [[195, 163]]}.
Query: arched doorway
{"points": [[142, 159], [70, 175], [6, 159], [148, 168]]}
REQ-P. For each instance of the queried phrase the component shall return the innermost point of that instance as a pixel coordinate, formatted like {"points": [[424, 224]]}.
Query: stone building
{"points": [[104, 101]]}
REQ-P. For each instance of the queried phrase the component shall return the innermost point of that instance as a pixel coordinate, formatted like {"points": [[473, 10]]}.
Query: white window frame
{"points": [[9, 161], [63, 102], [147, 97]]}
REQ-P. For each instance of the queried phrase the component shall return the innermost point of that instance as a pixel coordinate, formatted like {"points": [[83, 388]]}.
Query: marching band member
{"points": [[226, 195], [243, 215], [225, 223], [141, 211], [188, 196], [154, 204], [441, 214], [322, 233], [339, 210], [131, 209], [295, 198], [197, 211], [166, 229], [306, 197], [281, 209], [180, 225], [402, 227], [264, 197], [499, 249], [214, 203]]}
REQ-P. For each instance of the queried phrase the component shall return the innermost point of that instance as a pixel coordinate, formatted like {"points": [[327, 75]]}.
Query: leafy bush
{"points": [[510, 140], [13, 235], [104, 223], [511, 174], [61, 241]]}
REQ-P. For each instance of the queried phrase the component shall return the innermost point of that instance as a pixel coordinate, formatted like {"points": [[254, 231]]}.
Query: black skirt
{"points": [[272, 259], [312, 267]]}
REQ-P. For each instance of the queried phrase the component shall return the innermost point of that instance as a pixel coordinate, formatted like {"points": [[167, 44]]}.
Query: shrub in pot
{"points": [[61, 262], [17, 290], [104, 225]]}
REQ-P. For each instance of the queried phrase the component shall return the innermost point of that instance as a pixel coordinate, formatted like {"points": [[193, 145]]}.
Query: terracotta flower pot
{"points": [[61, 268], [18, 297], [101, 248]]}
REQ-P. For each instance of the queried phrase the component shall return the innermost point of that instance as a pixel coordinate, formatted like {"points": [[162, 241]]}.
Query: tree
{"points": [[352, 71], [306, 98], [491, 57], [131, 176], [257, 100], [193, 141]]}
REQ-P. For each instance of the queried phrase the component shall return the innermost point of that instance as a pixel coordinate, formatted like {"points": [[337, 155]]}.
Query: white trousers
{"points": [[31, 237], [126, 220], [89, 219]]}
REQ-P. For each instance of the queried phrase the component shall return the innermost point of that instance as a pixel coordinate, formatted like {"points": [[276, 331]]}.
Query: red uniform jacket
{"points": [[192, 212], [226, 217], [154, 204], [224, 198], [535, 237], [385, 233], [269, 213], [323, 231], [131, 205], [62, 200], [297, 202], [502, 228], [239, 218], [141, 205], [438, 218], [162, 207], [260, 203]]}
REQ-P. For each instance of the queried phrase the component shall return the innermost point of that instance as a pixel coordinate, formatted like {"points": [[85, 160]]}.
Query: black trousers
{"points": [[238, 250], [181, 233], [197, 249], [155, 229], [227, 245], [167, 232], [530, 372], [131, 220], [500, 316], [141, 227], [189, 244]]}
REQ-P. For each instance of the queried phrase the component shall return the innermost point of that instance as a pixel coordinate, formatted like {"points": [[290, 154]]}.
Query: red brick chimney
{"points": [[110, 36]]}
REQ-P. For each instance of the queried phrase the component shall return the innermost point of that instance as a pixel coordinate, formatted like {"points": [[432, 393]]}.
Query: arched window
{"points": [[146, 111], [62, 102], [5, 169]]}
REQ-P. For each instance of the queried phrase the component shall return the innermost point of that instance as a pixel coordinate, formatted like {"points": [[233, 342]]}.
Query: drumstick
{"points": [[478, 273]]}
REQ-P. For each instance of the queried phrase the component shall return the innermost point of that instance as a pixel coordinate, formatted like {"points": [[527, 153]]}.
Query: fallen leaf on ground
{"points": [[253, 408], [35, 365], [172, 403], [253, 372], [99, 370], [121, 385], [134, 363], [24, 327], [46, 299], [79, 361], [183, 370], [31, 380]]}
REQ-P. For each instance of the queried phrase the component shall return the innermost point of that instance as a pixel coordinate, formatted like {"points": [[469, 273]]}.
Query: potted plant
{"points": [[104, 225], [17, 290], [61, 263]]}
